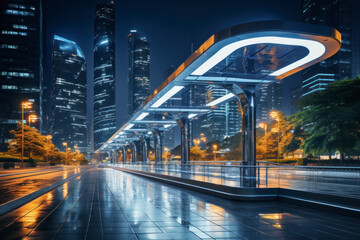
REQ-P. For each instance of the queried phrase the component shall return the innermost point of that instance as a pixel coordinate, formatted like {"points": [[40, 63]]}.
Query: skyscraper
{"points": [[104, 73], [222, 121], [68, 94], [21, 61], [139, 70], [336, 14], [268, 98], [295, 95]]}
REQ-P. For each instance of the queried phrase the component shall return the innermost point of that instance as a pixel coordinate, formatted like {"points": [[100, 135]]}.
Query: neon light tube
{"points": [[167, 95], [190, 116], [220, 100], [129, 126], [142, 116], [315, 48]]}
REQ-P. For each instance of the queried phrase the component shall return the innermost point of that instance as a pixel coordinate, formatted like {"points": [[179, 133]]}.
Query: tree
{"points": [[331, 118], [196, 153], [34, 142]]}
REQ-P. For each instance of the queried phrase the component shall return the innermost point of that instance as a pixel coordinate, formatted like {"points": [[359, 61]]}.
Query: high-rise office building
{"points": [[104, 73], [139, 70], [21, 62], [68, 95], [222, 121], [336, 14], [295, 95], [268, 98]]}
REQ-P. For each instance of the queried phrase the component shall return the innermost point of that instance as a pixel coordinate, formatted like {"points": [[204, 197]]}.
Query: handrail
{"points": [[255, 166]]}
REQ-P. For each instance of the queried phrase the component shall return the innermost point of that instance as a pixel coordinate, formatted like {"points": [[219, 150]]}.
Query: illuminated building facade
{"points": [[222, 121], [68, 94], [139, 70], [268, 98], [336, 14], [104, 73], [21, 63]]}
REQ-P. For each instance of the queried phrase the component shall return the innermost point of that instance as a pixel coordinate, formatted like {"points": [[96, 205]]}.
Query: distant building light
{"points": [[133, 31]]}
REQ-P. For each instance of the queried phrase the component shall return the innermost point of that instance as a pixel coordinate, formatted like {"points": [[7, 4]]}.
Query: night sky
{"points": [[170, 26]]}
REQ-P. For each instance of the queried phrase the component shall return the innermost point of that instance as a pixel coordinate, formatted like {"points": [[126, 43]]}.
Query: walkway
{"points": [[110, 204]]}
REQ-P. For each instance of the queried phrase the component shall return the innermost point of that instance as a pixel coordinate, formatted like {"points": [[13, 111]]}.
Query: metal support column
{"points": [[158, 145], [123, 148], [145, 154], [246, 99], [133, 149], [109, 156], [184, 126]]}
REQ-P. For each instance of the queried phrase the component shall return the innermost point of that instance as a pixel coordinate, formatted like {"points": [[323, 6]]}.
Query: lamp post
{"points": [[264, 126], [32, 118], [214, 147], [66, 148], [24, 105], [275, 115]]}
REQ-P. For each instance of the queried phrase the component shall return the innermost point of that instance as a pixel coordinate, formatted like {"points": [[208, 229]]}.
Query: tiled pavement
{"points": [[109, 204]]}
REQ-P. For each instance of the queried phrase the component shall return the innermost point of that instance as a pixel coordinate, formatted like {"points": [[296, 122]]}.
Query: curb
{"points": [[16, 203]]}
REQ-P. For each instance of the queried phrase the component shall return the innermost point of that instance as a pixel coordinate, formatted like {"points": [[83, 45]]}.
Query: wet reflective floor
{"points": [[345, 183], [110, 204], [18, 183]]}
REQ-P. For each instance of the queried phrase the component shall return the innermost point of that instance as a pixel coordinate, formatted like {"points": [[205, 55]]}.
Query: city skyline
{"points": [[120, 111]]}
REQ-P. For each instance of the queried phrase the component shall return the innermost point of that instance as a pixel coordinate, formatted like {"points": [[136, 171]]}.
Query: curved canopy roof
{"points": [[253, 54]]}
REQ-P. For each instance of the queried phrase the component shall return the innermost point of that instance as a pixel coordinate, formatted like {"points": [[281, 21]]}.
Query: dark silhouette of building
{"points": [[68, 95], [295, 95], [139, 70], [336, 14], [21, 63], [104, 73]]}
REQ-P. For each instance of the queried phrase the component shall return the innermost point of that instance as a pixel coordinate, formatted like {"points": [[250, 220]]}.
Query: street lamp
{"points": [[32, 118], [24, 105], [276, 116], [214, 147], [66, 148]]}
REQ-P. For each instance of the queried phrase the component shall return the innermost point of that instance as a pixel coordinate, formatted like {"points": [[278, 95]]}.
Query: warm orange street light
{"points": [[32, 118], [24, 105], [214, 147]]}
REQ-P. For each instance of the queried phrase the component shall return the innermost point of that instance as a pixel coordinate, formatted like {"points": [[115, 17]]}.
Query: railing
{"points": [[341, 181]]}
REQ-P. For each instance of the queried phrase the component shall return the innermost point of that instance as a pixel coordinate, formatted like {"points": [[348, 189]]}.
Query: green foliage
{"points": [[331, 118], [302, 161]]}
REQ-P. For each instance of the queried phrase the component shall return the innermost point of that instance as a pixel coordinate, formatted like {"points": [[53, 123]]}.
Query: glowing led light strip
{"points": [[142, 116], [315, 48], [220, 100], [129, 126], [192, 115], [167, 95]]}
